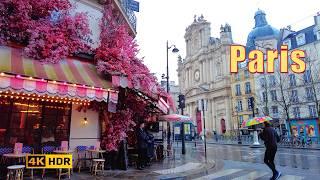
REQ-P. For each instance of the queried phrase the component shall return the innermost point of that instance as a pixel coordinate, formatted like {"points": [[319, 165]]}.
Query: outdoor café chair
{"points": [[4, 150], [47, 150], [81, 156], [29, 150], [97, 166]]}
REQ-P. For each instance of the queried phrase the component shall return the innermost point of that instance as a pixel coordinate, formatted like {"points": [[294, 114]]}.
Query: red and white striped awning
{"points": [[163, 105], [53, 88], [71, 78]]}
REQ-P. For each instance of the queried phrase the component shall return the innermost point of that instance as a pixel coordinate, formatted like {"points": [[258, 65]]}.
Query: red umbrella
{"points": [[175, 118]]}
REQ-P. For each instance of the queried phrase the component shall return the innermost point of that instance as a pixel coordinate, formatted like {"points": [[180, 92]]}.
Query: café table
{"points": [[63, 151], [99, 152], [60, 170], [21, 158]]}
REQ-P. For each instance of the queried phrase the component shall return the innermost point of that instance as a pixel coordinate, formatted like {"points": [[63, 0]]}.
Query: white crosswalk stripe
{"points": [[249, 176], [252, 175], [290, 177], [220, 174], [179, 169]]}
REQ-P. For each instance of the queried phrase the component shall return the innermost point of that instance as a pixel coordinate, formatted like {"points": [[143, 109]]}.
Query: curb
{"points": [[232, 144], [263, 146]]}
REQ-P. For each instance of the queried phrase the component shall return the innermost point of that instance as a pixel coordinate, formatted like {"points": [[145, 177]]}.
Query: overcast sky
{"points": [[162, 20]]}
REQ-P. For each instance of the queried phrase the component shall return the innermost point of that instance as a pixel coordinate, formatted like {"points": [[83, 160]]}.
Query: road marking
{"points": [[252, 175], [290, 177], [179, 169], [220, 174]]}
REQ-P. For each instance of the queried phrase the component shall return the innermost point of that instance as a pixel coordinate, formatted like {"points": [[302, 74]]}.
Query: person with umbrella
{"points": [[270, 138]]}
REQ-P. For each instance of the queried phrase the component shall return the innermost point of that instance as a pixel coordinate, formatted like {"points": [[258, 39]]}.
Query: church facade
{"points": [[204, 75]]}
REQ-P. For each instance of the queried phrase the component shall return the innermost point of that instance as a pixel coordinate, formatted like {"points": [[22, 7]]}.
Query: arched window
{"points": [[223, 126]]}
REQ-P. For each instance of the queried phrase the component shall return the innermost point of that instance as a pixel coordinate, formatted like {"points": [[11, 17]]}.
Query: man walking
{"points": [[270, 138]]}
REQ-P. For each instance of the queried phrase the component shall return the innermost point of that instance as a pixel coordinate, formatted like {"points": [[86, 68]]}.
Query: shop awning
{"points": [[69, 77]]}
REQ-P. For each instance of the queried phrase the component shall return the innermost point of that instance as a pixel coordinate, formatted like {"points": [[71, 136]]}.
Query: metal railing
{"points": [[313, 142], [130, 14]]}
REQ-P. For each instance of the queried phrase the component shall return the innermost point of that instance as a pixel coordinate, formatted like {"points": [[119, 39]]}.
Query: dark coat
{"points": [[150, 149], [268, 135], [142, 139]]}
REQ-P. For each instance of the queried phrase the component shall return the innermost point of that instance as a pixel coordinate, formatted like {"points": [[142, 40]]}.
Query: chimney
{"points": [[317, 19]]}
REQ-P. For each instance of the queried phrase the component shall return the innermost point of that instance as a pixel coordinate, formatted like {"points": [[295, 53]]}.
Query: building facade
{"points": [[289, 97], [204, 74], [243, 88]]}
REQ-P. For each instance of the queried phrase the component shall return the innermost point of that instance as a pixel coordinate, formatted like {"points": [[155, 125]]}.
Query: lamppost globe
{"points": [[175, 50]]}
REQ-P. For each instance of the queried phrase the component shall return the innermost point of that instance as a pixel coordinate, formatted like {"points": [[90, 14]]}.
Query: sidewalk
{"points": [[235, 143], [179, 167]]}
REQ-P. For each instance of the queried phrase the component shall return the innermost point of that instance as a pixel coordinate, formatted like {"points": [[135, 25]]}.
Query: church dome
{"points": [[261, 29]]}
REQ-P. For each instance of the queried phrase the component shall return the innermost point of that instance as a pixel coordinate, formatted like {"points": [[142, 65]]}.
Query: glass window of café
{"points": [[33, 122]]}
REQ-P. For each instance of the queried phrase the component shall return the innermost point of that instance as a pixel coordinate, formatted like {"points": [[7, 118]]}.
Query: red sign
{"points": [[199, 124]]}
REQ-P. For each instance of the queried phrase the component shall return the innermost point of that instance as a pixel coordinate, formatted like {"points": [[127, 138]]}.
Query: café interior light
{"points": [[85, 121]]}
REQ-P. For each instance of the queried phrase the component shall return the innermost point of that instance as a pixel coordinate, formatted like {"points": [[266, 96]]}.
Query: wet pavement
{"points": [[223, 162]]}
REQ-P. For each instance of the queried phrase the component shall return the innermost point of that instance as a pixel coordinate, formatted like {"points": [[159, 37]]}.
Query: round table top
{"points": [[96, 150], [63, 151], [14, 155], [16, 167], [99, 160]]}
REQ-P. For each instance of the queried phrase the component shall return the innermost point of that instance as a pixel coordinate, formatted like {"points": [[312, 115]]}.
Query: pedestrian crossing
{"points": [[284, 157], [238, 174], [184, 168]]}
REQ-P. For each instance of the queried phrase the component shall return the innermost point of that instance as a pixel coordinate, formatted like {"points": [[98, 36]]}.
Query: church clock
{"points": [[197, 75]]}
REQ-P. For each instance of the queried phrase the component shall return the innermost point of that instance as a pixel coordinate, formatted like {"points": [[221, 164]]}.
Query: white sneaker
{"points": [[278, 175]]}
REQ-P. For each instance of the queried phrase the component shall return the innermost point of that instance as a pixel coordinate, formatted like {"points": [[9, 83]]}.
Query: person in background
{"points": [[47, 136], [270, 138], [142, 146], [150, 147]]}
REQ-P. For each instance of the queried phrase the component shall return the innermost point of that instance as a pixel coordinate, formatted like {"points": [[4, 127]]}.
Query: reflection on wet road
{"points": [[233, 162]]}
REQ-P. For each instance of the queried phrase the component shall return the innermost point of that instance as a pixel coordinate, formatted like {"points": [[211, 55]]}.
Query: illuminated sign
{"points": [[49, 161]]}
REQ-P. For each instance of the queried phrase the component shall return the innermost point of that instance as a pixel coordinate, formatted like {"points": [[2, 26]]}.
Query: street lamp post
{"points": [[204, 129], [174, 50], [239, 138], [205, 88], [182, 106]]}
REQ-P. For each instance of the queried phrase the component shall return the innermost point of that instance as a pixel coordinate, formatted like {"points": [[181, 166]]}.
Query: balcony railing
{"points": [[130, 14]]}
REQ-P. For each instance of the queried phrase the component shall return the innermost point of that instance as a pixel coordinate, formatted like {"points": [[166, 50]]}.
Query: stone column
{"points": [[186, 79], [209, 112], [204, 71], [201, 72], [208, 71], [214, 113], [190, 77], [229, 123]]}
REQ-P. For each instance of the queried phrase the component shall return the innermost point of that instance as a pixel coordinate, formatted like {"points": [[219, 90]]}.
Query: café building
{"points": [[39, 102]]}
